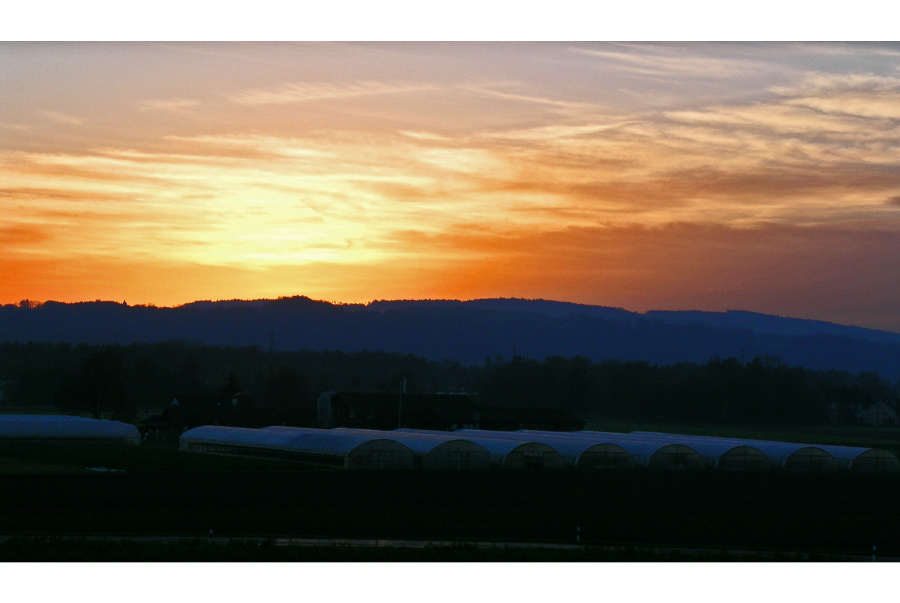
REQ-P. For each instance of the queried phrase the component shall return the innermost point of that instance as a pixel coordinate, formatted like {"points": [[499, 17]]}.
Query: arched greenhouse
{"points": [[61, 428], [865, 460], [718, 454], [514, 452], [581, 453], [645, 452], [439, 450], [315, 446], [784, 455]]}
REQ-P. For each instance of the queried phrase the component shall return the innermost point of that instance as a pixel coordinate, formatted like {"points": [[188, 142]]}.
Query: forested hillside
{"points": [[464, 332], [125, 381]]}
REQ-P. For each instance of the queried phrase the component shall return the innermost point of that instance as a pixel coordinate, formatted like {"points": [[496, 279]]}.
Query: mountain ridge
{"points": [[465, 331]]}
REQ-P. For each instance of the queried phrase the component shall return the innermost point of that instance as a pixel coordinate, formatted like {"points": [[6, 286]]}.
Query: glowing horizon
{"points": [[762, 177]]}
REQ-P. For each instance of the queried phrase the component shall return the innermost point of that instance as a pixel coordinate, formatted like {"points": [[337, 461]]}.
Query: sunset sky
{"points": [[710, 176]]}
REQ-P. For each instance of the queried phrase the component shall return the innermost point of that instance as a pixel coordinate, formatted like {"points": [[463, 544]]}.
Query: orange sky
{"points": [[763, 177]]}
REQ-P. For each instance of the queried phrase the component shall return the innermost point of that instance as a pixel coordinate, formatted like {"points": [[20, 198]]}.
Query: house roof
{"points": [[890, 404]]}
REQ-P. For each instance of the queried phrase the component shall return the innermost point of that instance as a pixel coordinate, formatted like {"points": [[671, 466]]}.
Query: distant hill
{"points": [[468, 331], [765, 323]]}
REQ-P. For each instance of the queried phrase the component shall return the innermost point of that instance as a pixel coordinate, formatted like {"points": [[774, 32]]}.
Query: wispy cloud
{"points": [[553, 132], [529, 98], [300, 92], [171, 104], [14, 126], [863, 95], [841, 49], [203, 147], [63, 118], [23, 234], [669, 62], [431, 136]]}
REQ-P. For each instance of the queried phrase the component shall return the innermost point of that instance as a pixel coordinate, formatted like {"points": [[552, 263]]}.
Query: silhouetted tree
{"points": [[285, 387], [231, 384], [99, 386], [109, 380]]}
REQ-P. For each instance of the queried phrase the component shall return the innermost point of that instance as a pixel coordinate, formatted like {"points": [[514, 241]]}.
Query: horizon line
{"points": [[31, 304]]}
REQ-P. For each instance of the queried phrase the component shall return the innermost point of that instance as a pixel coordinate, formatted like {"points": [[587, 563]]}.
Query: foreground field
{"points": [[78, 549], [57, 490], [771, 511]]}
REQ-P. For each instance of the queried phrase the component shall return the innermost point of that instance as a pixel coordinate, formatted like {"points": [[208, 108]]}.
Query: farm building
{"points": [[880, 412], [439, 412], [315, 446], [61, 428], [783, 455], [185, 412]]}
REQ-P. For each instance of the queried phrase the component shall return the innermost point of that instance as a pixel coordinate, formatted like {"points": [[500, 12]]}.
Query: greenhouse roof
{"points": [[62, 426]]}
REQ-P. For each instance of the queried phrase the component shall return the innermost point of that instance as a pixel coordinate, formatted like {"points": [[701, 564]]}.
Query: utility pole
{"points": [[400, 405]]}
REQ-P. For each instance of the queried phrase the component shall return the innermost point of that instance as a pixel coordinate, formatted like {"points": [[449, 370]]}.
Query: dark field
{"points": [[79, 549], [837, 513]]}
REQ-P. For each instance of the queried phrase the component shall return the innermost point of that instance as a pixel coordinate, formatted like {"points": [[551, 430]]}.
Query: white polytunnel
{"points": [[439, 450], [784, 455], [514, 453], [524, 449], [316, 446], [865, 460], [720, 455], [647, 453], [857, 458], [591, 456], [731, 457], [582, 453], [62, 428], [798, 457]]}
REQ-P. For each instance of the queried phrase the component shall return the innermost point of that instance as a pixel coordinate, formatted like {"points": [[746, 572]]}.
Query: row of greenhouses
{"points": [[525, 449], [61, 428]]}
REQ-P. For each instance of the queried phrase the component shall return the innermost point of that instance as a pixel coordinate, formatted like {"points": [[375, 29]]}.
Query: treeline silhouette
{"points": [[463, 331], [124, 382]]}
